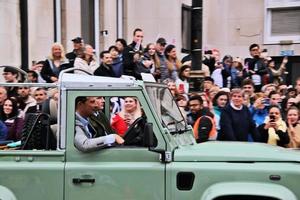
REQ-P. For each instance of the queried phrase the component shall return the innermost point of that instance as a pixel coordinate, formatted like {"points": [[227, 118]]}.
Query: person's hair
{"points": [[169, 64], [154, 57], [181, 70], [80, 99], [113, 47], [14, 112], [103, 52], [226, 57], [41, 89], [137, 30], [253, 46], [34, 74], [82, 52], [236, 90], [220, 93], [196, 97], [272, 93], [62, 55], [294, 108], [247, 82], [274, 106], [122, 41]]}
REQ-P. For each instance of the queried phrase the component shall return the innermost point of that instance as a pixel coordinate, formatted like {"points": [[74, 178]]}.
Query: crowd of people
{"points": [[240, 99]]}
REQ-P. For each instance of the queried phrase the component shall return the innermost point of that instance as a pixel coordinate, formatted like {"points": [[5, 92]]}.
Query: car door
{"points": [[123, 172]]}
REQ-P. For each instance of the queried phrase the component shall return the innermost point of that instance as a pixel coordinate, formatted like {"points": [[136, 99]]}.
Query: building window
{"points": [[186, 18], [282, 21]]}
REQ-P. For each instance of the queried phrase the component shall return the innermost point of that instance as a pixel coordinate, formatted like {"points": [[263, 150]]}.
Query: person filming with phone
{"points": [[274, 130]]}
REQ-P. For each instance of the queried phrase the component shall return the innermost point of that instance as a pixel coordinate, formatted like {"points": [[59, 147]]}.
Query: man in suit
{"points": [[85, 139]]}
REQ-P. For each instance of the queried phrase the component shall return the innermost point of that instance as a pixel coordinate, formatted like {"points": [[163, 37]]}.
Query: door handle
{"points": [[83, 180]]}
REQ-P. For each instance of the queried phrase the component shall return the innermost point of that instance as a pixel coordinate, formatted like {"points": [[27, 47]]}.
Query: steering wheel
{"points": [[133, 131]]}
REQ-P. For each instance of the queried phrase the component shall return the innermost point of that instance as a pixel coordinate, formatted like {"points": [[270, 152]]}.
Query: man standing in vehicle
{"points": [[85, 140]]}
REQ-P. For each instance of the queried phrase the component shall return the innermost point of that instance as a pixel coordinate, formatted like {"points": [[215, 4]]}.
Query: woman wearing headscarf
{"points": [[130, 112]]}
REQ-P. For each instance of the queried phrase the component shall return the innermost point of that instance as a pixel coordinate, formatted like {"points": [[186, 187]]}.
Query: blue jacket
{"points": [[3, 131]]}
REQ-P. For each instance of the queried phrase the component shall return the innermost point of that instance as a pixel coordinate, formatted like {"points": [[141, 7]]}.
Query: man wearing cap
{"points": [[160, 48], [77, 44]]}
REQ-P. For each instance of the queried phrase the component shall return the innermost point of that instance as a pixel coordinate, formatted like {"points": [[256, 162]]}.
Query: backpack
{"points": [[205, 129], [36, 133]]}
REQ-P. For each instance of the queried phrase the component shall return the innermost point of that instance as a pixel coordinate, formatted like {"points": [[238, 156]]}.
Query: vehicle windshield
{"points": [[166, 107]]}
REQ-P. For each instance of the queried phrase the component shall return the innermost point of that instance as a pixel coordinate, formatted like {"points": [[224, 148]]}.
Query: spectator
{"points": [[3, 131], [259, 109], [25, 100], [32, 76], [85, 60], [220, 100], [77, 45], [117, 63], [172, 86], [54, 64], [237, 73], [160, 49], [182, 103], [208, 83], [236, 121], [293, 117], [10, 116], [275, 99], [37, 67], [297, 86], [172, 64], [275, 75], [85, 141], [197, 109], [256, 66], [131, 51], [155, 62], [248, 90], [274, 130], [129, 113], [40, 96], [227, 71], [3, 95], [105, 68], [182, 83], [11, 76], [121, 44]]}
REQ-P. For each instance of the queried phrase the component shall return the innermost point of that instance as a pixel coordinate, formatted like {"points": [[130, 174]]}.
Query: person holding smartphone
{"points": [[274, 130]]}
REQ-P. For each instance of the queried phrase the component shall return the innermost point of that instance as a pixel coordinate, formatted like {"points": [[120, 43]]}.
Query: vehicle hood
{"points": [[235, 152]]}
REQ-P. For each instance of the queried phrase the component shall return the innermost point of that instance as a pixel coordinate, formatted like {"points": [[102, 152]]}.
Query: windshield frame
{"points": [[166, 107]]}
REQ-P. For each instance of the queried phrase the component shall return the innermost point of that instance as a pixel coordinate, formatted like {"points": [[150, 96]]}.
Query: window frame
{"points": [[269, 6]]}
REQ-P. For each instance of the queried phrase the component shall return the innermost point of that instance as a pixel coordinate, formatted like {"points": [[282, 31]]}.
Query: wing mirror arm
{"points": [[150, 142]]}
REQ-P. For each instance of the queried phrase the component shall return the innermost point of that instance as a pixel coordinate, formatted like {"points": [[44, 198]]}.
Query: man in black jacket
{"points": [[132, 51], [77, 44], [105, 69]]}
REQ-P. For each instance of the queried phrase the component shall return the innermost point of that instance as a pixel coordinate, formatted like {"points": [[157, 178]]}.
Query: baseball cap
{"points": [[77, 40]]}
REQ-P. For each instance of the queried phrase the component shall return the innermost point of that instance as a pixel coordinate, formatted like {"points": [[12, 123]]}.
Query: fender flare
{"points": [[248, 188], [6, 194]]}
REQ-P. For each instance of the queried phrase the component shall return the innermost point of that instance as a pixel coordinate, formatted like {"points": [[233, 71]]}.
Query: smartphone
{"points": [[181, 87], [266, 101]]}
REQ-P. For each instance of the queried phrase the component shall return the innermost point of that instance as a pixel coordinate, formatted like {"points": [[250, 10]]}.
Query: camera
{"points": [[272, 118]]}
